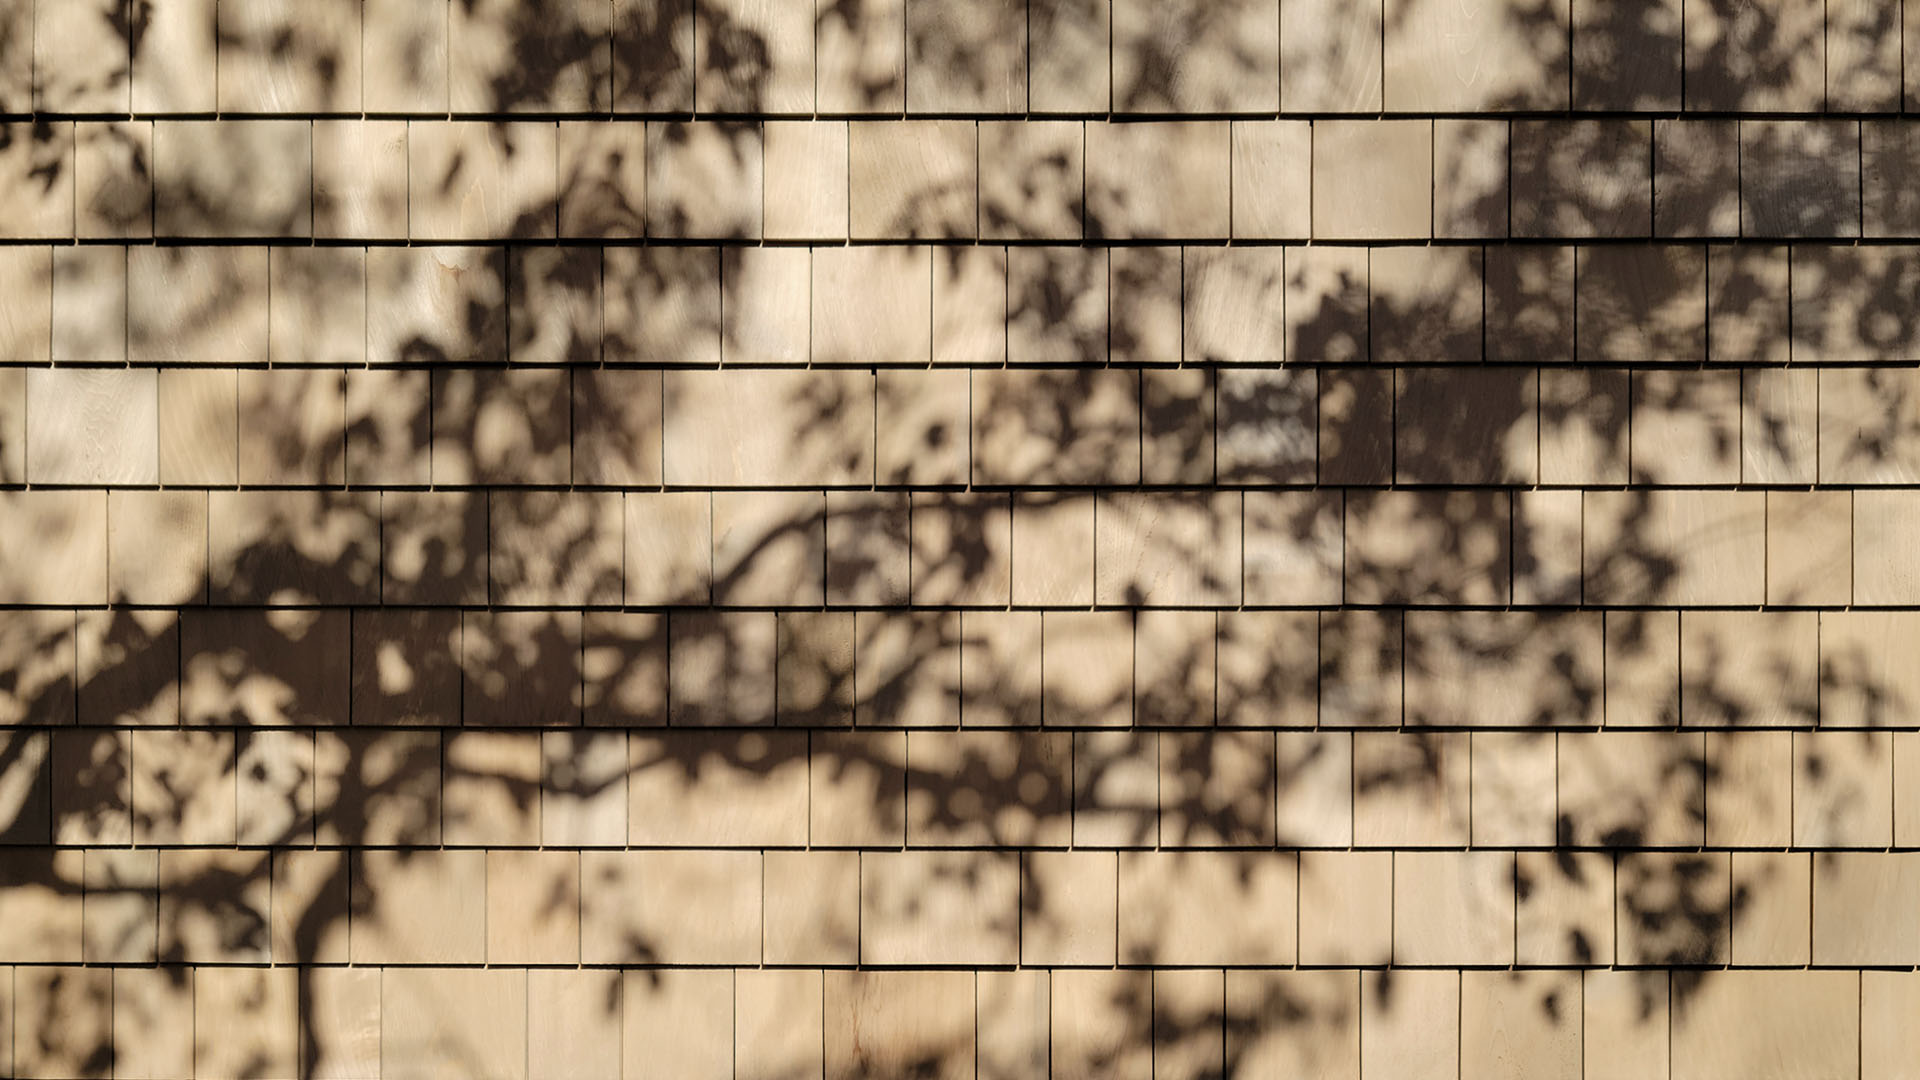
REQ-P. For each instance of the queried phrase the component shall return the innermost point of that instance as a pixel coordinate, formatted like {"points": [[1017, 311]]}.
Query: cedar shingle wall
{"points": [[965, 538]]}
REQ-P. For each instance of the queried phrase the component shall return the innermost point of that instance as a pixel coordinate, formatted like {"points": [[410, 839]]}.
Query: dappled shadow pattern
{"points": [[1091, 675]]}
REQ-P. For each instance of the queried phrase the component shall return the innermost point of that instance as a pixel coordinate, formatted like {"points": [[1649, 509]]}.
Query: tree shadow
{"points": [[1152, 700]]}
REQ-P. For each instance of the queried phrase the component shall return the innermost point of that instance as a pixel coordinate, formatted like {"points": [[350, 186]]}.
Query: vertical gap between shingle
{"points": [[1826, 54], [1860, 174], [1683, 106]]}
